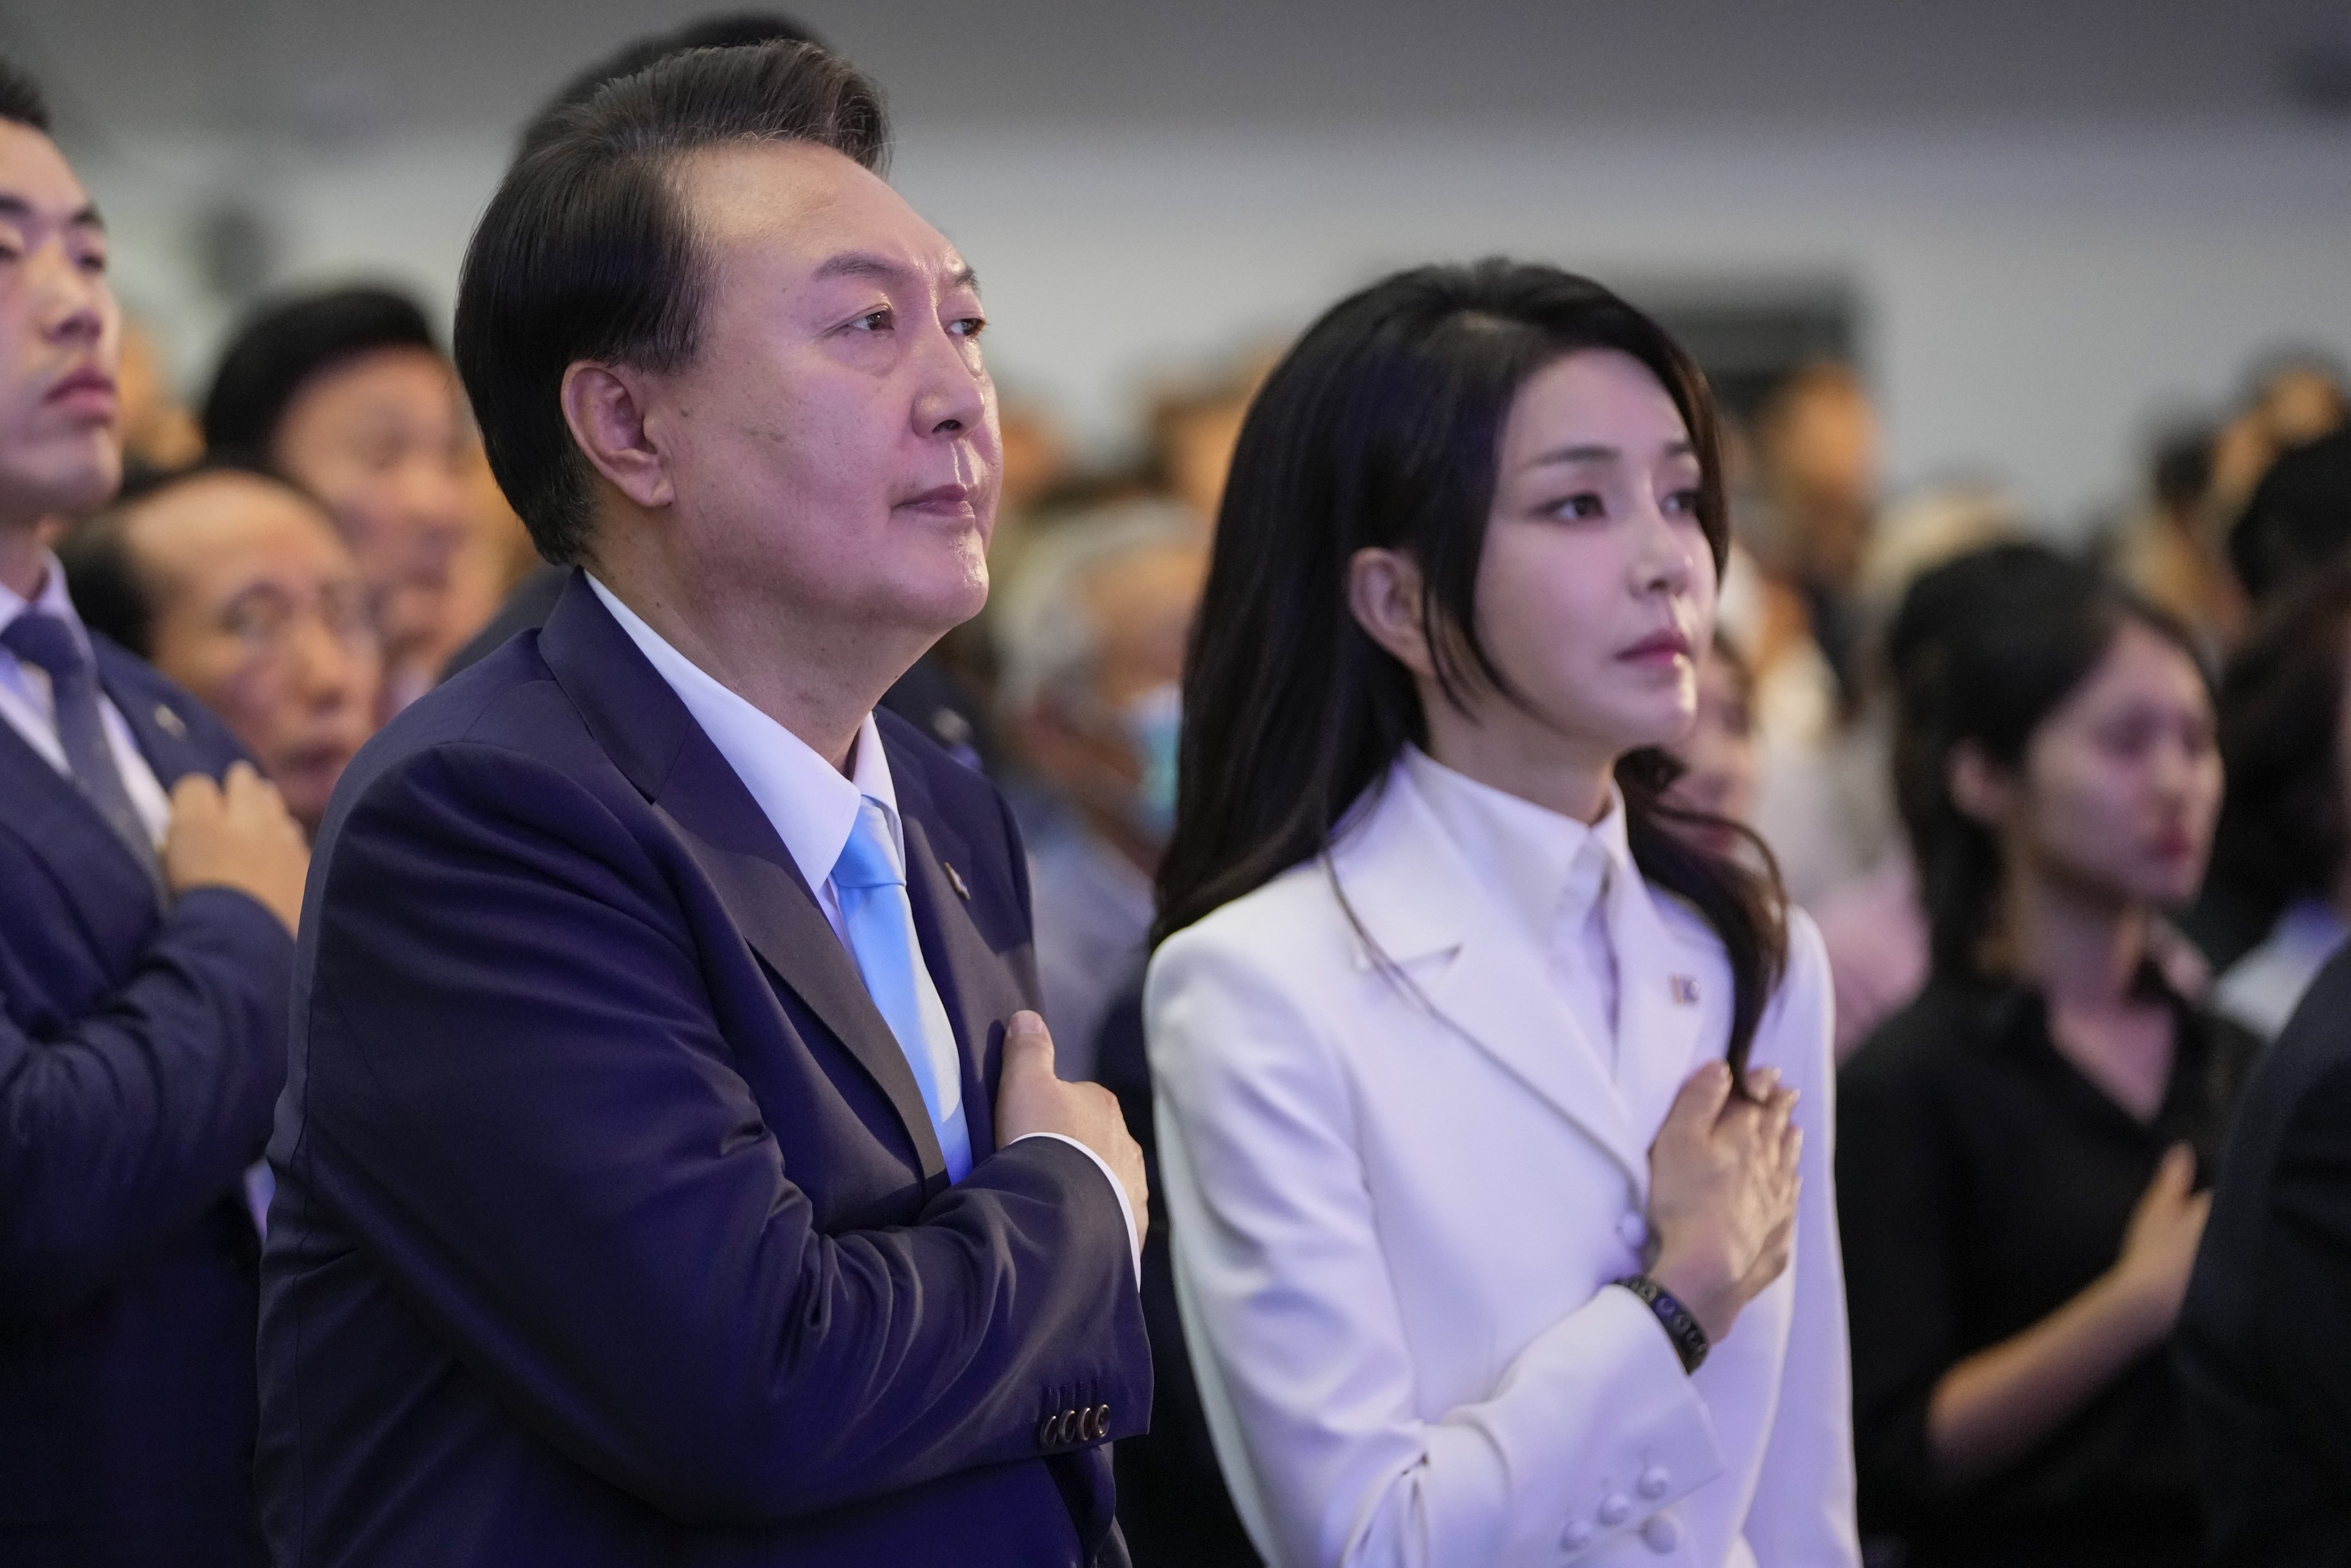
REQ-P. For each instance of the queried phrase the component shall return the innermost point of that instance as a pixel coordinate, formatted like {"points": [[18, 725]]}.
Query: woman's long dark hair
{"points": [[1985, 648], [1382, 427]]}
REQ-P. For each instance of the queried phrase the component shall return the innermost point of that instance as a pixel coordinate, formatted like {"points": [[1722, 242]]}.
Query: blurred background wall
{"points": [[2040, 228]]}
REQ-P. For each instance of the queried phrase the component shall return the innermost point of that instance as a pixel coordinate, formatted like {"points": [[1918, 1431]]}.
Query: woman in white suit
{"points": [[1485, 1255]]}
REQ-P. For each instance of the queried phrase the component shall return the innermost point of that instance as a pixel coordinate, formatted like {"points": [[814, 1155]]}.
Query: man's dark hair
{"points": [[22, 101], [2299, 519], [284, 344], [586, 253], [734, 30]]}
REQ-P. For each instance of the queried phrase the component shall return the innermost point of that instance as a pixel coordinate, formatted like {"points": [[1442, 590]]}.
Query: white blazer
{"points": [[1396, 1220]]}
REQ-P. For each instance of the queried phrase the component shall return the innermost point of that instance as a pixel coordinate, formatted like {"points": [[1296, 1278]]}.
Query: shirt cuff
{"points": [[1118, 1188]]}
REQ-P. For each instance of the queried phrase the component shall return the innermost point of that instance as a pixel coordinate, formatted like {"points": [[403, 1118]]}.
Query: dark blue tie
{"points": [[40, 638]]}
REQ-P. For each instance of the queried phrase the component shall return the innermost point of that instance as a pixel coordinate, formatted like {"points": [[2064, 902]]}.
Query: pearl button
{"points": [[1577, 1535], [1615, 1509], [1634, 1232], [1662, 1533], [1655, 1481]]}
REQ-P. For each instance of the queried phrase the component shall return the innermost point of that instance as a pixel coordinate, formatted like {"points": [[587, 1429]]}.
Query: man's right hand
{"points": [[237, 833], [1030, 1099]]}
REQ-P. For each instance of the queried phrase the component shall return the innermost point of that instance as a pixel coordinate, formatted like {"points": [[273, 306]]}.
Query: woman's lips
{"points": [[1661, 648], [85, 392]]}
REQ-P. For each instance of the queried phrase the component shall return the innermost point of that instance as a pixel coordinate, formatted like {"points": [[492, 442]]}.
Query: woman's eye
{"points": [[1683, 503], [1584, 504]]}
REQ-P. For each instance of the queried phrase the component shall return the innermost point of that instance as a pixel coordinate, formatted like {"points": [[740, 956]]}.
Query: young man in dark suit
{"points": [[149, 883], [670, 1169]]}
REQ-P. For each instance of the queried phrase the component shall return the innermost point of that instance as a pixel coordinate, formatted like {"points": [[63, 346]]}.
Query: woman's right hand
{"points": [[2158, 1253], [1722, 1193]]}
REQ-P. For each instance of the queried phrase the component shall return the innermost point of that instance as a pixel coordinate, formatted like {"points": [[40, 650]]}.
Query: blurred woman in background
{"points": [[1483, 1096], [2019, 1148]]}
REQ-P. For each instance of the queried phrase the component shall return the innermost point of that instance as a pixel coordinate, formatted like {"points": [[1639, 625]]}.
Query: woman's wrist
{"points": [[1690, 1341], [1709, 1303]]}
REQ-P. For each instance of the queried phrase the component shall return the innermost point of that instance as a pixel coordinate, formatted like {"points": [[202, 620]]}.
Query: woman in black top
{"points": [[2018, 1150]]}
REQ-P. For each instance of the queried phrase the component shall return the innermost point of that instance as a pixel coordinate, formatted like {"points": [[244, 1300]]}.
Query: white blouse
{"points": [[1403, 1159]]}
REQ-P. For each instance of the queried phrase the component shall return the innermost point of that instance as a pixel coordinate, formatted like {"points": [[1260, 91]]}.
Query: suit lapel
{"points": [[647, 732], [953, 948], [1659, 1014], [160, 726], [1416, 899], [93, 868]]}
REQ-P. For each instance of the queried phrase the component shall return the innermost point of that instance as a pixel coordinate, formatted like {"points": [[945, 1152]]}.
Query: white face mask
{"points": [[1153, 721]]}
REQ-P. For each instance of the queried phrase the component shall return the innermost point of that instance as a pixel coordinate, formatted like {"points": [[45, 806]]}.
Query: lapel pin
{"points": [[1685, 990], [169, 723], [954, 880]]}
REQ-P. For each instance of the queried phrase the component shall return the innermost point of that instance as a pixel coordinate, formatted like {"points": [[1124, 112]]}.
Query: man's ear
{"points": [[605, 406], [1982, 790], [1384, 590]]}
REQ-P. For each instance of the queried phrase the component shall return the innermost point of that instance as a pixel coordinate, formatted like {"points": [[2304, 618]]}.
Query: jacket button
{"points": [[1045, 1431], [1634, 1232], [1655, 1481], [1577, 1535], [1101, 1421], [1661, 1533], [1615, 1509]]}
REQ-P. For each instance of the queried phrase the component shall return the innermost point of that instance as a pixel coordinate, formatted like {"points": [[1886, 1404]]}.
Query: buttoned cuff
{"points": [[1118, 1188]]}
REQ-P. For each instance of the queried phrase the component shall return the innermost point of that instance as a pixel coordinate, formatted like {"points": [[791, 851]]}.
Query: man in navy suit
{"points": [[670, 1168], [149, 882]]}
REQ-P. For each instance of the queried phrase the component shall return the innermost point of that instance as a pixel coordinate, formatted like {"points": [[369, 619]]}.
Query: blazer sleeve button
{"points": [[1656, 1482], [1661, 1534], [1615, 1509], [1045, 1431], [1577, 1535]]}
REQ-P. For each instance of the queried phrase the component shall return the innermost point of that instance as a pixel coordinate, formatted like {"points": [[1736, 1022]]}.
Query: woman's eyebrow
{"points": [[1597, 452]]}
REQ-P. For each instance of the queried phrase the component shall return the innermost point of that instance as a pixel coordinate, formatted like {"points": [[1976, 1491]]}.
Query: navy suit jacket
{"points": [[611, 1228], [141, 1052]]}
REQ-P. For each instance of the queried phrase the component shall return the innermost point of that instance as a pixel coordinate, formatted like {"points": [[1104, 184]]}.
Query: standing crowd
{"points": [[1478, 960]]}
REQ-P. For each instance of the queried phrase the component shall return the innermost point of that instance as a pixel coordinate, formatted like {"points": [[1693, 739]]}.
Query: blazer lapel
{"points": [[647, 732], [952, 949], [1415, 898], [160, 727], [93, 868]]}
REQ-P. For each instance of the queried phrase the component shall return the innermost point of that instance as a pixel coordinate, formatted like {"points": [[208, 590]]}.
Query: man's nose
{"points": [[951, 399], [75, 305]]}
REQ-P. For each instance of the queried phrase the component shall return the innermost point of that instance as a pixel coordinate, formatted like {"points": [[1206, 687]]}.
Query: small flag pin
{"points": [[954, 880], [1685, 990], [170, 722]]}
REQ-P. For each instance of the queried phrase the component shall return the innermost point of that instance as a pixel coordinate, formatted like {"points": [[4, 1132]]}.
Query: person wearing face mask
{"points": [[348, 394], [235, 585], [1092, 641], [149, 882], [2020, 1149], [1493, 1115]]}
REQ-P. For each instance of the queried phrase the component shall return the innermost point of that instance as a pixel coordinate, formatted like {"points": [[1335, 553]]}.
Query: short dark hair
{"points": [[2299, 518], [22, 101], [2282, 834], [733, 30], [585, 254], [1381, 427], [287, 342]]}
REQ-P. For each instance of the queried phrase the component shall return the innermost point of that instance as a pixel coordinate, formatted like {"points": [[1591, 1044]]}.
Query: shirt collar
{"points": [[812, 807], [1549, 867], [52, 600]]}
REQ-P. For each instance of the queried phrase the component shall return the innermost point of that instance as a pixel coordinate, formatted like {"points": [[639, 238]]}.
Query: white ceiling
{"points": [[332, 71]]}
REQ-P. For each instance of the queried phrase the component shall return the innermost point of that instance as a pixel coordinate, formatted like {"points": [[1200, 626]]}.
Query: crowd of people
{"points": [[1475, 959]]}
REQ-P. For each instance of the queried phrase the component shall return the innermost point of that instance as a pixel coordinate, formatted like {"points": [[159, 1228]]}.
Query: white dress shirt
{"points": [[810, 803], [1557, 874], [26, 704]]}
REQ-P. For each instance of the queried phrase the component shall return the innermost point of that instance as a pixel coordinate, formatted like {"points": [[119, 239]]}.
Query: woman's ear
{"points": [[603, 405], [1984, 792], [1384, 593]]}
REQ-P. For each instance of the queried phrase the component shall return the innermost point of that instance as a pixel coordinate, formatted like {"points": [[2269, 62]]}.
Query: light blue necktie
{"points": [[869, 879]]}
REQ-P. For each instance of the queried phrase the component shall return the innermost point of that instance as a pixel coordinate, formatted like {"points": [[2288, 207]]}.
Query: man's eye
{"points": [[969, 326], [874, 321]]}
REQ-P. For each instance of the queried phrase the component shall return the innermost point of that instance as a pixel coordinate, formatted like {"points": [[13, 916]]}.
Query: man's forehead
{"points": [[825, 213], [35, 181]]}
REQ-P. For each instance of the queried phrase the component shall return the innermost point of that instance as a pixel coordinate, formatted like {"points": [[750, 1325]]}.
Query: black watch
{"points": [[1690, 1340]]}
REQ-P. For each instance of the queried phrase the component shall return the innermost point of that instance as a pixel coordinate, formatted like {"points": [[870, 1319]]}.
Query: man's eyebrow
{"points": [[861, 264], [18, 208]]}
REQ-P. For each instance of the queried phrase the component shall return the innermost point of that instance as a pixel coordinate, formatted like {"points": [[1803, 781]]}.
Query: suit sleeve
{"points": [[1802, 1515], [1304, 1364], [143, 1114], [517, 1096]]}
